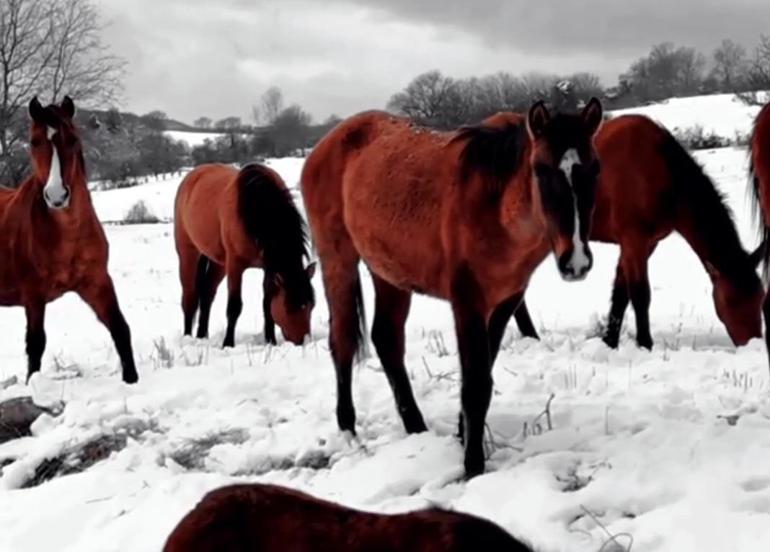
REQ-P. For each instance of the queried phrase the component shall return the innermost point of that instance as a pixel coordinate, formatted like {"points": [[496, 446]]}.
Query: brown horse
{"points": [[50, 239], [268, 518], [227, 221], [759, 149], [649, 187], [464, 216]]}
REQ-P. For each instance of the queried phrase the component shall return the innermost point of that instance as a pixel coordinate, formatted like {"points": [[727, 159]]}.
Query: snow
{"points": [[668, 446], [192, 139], [725, 115]]}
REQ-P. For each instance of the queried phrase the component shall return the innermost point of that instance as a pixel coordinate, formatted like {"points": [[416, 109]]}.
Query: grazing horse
{"points": [[760, 179], [269, 518], [649, 187], [50, 239], [464, 216], [228, 220]]}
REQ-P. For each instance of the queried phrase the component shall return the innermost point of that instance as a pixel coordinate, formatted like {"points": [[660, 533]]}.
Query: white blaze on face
{"points": [[580, 260], [55, 193]]}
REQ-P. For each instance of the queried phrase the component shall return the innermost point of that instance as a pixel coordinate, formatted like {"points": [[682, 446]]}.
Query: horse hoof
{"points": [[612, 343], [473, 469], [415, 426], [131, 378]]}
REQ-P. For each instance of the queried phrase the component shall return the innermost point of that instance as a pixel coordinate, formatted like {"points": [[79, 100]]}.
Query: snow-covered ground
{"points": [[640, 440], [725, 115], [192, 139]]}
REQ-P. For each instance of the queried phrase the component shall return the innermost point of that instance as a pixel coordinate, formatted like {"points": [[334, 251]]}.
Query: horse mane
{"points": [[271, 218], [712, 217], [494, 152], [757, 215]]}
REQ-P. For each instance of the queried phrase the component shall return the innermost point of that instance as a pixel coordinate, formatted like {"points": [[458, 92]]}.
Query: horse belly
{"points": [[396, 231]]}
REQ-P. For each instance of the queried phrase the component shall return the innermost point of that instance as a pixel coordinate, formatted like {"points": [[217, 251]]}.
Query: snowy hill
{"points": [[725, 115]]}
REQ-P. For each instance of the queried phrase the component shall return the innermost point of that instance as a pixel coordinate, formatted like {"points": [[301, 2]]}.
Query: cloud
{"points": [[342, 56]]}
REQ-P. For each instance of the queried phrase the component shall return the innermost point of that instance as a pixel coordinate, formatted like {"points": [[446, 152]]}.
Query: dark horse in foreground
{"points": [[50, 239], [649, 187], [760, 180], [464, 216], [226, 221], [268, 518]]}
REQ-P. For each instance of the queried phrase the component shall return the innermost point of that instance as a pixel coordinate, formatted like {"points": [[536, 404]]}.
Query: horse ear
{"points": [[592, 115], [537, 119], [36, 111], [759, 254], [68, 106], [310, 270]]}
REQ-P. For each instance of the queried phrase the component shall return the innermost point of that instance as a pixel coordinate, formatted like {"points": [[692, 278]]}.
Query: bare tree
{"points": [[430, 98], [729, 65], [271, 105], [758, 74], [228, 123], [49, 48], [202, 122]]}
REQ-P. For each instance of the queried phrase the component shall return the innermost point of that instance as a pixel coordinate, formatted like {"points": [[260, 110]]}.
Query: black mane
{"points": [[270, 217], [495, 152], [710, 213]]}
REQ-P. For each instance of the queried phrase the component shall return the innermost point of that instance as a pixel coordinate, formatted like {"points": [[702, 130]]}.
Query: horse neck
{"points": [[517, 205], [712, 236]]}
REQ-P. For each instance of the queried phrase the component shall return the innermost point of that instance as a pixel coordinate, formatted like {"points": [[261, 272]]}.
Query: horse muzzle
{"points": [[57, 201]]}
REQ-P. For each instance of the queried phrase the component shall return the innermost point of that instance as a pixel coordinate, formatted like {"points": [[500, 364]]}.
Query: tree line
{"points": [[666, 71], [51, 48]]}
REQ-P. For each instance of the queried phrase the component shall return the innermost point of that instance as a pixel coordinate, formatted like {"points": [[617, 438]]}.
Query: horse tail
{"points": [[200, 277], [362, 343]]}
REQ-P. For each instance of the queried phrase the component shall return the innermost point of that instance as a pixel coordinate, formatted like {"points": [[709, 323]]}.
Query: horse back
{"points": [[383, 184], [634, 194], [269, 518], [203, 202]]}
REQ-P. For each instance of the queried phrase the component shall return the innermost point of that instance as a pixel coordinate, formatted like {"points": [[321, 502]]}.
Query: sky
{"points": [[192, 58]]}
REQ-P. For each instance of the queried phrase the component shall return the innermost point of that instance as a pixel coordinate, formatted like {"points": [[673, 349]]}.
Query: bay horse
{"points": [[759, 172], [228, 220], [465, 216], [51, 241], [269, 518], [650, 186]]}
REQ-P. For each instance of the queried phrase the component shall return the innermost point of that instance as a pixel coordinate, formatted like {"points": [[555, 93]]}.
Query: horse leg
{"points": [[391, 311], [99, 294], [267, 297], [635, 271], [234, 301], [35, 312], [476, 367], [343, 287], [524, 321], [192, 270], [207, 288], [496, 329], [618, 305]]}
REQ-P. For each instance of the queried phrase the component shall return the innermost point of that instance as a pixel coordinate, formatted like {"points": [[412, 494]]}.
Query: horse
{"points": [[650, 187], [51, 241], [759, 177], [465, 216], [269, 518], [228, 220]]}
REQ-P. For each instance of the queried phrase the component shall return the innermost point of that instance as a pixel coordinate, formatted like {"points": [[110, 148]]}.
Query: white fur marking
{"points": [[579, 261], [51, 132], [54, 192]]}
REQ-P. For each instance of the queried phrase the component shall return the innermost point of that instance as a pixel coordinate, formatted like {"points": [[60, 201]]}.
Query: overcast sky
{"points": [[216, 57]]}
